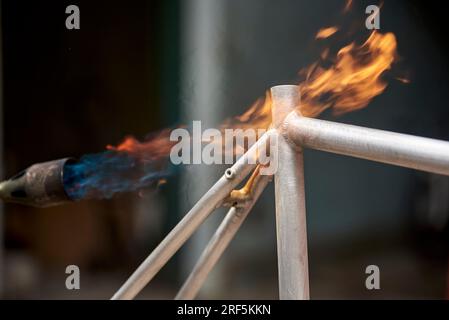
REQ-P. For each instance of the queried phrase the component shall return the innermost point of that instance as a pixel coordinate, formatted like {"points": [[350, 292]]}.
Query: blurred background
{"points": [[137, 67]]}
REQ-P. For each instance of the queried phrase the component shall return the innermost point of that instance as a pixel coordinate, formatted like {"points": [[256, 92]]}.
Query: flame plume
{"points": [[352, 80]]}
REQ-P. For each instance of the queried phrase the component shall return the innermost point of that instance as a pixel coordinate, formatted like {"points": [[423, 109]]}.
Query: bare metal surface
{"points": [[219, 242], [191, 221], [382, 146], [291, 227]]}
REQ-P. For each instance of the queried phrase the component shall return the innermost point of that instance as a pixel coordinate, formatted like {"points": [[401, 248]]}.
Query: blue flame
{"points": [[102, 175]]}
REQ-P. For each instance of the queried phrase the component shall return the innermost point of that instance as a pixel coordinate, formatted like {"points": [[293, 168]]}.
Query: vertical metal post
{"points": [[291, 226], [203, 30]]}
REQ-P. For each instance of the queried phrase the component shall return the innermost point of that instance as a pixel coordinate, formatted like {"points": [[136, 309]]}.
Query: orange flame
{"points": [[348, 6], [352, 81], [326, 32], [152, 149], [258, 116], [349, 84]]}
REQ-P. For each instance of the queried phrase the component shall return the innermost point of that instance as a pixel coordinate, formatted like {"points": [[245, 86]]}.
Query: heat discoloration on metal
{"points": [[191, 221], [224, 234]]}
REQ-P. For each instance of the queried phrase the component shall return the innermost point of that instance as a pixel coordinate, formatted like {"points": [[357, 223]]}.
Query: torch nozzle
{"points": [[40, 185]]}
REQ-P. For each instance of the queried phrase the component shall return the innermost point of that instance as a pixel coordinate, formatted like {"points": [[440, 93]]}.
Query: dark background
{"points": [[71, 92]]}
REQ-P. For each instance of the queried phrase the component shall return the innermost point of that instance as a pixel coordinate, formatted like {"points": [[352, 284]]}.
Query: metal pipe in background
{"points": [[383, 146], [291, 227], [203, 30], [191, 221], [218, 243]]}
